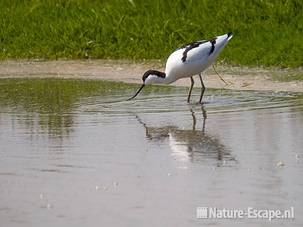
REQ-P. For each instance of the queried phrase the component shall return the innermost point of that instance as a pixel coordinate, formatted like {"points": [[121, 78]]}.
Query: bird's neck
{"points": [[158, 77], [166, 80], [161, 80]]}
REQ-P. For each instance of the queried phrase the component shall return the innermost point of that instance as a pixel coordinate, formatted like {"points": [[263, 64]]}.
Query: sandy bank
{"points": [[130, 72]]}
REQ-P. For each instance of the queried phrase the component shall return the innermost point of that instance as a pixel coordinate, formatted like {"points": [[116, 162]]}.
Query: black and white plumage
{"points": [[188, 60]]}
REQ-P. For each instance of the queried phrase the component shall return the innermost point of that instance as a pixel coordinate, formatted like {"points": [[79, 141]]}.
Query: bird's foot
{"points": [[197, 103], [202, 103]]}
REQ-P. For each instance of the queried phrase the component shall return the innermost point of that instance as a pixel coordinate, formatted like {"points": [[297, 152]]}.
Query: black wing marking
{"points": [[193, 45], [190, 46], [213, 42]]}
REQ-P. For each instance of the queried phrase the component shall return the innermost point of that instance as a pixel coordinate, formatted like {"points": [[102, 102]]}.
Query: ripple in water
{"points": [[73, 146]]}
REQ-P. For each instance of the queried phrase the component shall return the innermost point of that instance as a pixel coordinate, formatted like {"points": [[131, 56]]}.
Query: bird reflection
{"points": [[190, 145]]}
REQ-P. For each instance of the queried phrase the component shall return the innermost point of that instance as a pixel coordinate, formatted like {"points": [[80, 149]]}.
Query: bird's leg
{"points": [[204, 114], [194, 119], [190, 89], [202, 88]]}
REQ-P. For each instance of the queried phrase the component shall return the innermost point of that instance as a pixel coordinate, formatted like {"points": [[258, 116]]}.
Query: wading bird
{"points": [[188, 60]]}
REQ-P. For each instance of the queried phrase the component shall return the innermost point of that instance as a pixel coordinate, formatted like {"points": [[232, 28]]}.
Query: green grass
{"points": [[266, 33]]}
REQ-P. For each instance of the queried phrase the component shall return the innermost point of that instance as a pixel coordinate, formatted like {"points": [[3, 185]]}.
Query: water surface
{"points": [[71, 155]]}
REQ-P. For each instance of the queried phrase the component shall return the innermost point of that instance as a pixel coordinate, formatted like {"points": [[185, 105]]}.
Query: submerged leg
{"points": [[202, 88], [194, 119], [190, 89], [204, 114]]}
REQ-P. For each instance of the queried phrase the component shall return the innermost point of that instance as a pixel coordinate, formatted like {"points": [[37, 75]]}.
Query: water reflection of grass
{"points": [[51, 95], [52, 100], [50, 103]]}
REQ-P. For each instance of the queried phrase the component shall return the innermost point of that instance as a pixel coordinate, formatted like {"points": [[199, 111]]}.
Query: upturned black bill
{"points": [[136, 92]]}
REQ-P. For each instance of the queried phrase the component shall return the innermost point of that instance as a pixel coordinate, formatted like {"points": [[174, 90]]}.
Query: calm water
{"points": [[71, 157]]}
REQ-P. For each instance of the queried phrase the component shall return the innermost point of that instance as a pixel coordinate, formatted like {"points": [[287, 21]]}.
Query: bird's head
{"points": [[222, 40], [149, 77]]}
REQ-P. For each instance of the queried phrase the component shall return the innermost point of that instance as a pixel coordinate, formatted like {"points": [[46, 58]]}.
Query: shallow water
{"points": [[70, 155]]}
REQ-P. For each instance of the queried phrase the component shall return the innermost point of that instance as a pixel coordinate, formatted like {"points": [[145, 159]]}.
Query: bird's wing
{"points": [[197, 48], [198, 51]]}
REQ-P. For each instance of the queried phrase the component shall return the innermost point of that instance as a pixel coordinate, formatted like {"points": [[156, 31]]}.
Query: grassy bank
{"points": [[266, 32]]}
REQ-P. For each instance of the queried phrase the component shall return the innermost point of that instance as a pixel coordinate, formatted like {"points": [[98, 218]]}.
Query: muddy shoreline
{"points": [[238, 78]]}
